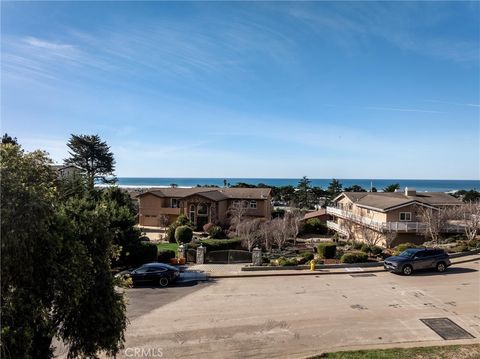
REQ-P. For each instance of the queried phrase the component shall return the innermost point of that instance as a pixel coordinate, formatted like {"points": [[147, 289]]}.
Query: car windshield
{"points": [[409, 253]]}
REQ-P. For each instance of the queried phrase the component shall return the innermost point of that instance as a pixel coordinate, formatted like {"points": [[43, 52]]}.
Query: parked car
{"points": [[157, 273], [417, 258]]}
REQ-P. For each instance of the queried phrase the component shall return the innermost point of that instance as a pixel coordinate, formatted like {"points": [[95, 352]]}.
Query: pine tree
{"points": [[93, 156]]}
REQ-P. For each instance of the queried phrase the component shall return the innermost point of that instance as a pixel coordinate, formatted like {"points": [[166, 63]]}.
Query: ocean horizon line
{"points": [[379, 184], [311, 178]]}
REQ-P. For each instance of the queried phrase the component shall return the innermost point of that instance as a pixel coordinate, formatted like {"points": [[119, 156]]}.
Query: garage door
{"points": [[150, 220]]}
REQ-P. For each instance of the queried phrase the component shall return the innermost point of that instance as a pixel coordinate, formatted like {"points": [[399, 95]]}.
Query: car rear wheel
{"points": [[407, 270], [163, 282], [441, 267]]}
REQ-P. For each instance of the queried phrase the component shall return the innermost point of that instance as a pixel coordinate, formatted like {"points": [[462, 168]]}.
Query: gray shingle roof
{"points": [[386, 200]]}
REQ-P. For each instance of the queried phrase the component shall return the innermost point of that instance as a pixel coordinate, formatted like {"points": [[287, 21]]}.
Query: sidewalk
{"points": [[235, 270]]}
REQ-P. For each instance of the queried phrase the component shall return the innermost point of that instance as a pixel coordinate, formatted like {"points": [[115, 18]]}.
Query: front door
{"points": [[201, 221], [202, 216]]}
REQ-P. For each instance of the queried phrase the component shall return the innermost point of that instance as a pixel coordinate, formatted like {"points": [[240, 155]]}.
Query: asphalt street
{"points": [[299, 316]]}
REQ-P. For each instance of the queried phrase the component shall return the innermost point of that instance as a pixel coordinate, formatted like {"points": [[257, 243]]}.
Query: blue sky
{"points": [[210, 89]]}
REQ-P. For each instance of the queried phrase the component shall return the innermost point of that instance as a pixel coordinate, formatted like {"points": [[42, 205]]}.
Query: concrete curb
{"points": [[335, 266], [316, 272]]}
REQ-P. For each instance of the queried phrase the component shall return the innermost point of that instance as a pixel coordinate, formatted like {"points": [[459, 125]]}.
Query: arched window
{"points": [[202, 209]]}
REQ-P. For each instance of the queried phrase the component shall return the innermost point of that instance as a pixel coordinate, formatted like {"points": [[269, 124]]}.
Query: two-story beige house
{"points": [[395, 215], [202, 205]]}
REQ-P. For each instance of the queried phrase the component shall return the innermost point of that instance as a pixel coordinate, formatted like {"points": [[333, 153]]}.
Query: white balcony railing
{"points": [[337, 228], [416, 227]]}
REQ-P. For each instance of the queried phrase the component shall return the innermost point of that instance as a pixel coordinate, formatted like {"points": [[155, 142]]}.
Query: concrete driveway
{"points": [[293, 317]]}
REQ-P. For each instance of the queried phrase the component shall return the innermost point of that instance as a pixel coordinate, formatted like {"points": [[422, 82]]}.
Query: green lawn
{"points": [[171, 246], [444, 352]]}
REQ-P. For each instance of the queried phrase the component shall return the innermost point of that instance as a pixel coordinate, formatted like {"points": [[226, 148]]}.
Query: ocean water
{"points": [[418, 184]]}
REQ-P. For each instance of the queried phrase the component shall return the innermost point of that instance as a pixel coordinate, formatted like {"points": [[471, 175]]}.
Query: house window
{"points": [[405, 216], [175, 203], [253, 204], [202, 209], [368, 211], [238, 203]]}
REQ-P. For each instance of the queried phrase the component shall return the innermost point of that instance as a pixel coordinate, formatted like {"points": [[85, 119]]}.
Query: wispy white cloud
{"points": [[354, 26], [454, 103], [54, 46], [401, 109]]}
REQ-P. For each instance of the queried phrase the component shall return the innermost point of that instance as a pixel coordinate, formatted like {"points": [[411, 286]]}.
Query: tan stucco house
{"points": [[202, 204], [393, 214]]}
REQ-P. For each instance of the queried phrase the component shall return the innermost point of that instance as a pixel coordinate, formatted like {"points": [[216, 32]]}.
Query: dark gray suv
{"points": [[417, 258]]}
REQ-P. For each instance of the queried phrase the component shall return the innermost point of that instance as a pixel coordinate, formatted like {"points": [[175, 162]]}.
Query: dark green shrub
{"points": [[291, 262], [327, 250], [183, 234], [401, 247], [216, 232], [170, 234], [374, 250], [459, 249], [280, 261], [339, 253], [357, 245], [142, 253], [473, 243], [307, 256], [183, 220], [354, 257], [221, 244], [314, 226], [164, 255]]}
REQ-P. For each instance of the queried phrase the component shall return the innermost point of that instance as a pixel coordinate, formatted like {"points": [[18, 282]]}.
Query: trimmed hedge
{"points": [[183, 234], [222, 244], [143, 252], [165, 255], [327, 250], [354, 257], [314, 226]]}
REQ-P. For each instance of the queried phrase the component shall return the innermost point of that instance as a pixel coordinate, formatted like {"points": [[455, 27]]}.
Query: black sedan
{"points": [[157, 273]]}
